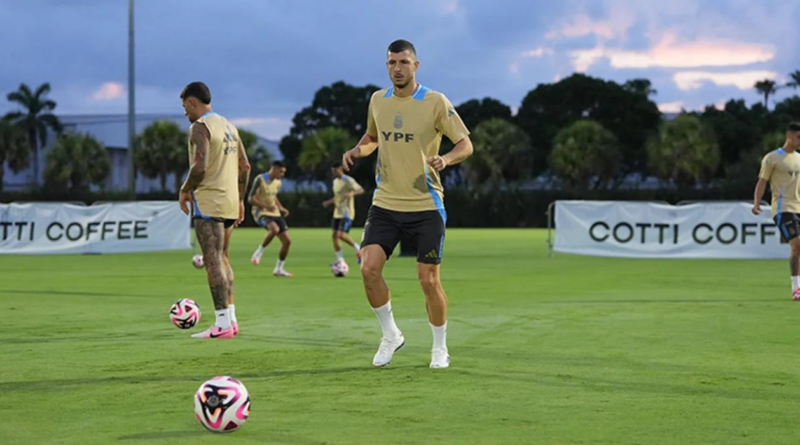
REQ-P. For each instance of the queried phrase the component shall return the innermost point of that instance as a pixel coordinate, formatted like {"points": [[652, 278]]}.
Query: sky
{"points": [[265, 59]]}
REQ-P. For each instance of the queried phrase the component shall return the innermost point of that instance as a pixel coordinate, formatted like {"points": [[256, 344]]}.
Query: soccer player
{"points": [[344, 211], [269, 213], [408, 121], [215, 187], [781, 169]]}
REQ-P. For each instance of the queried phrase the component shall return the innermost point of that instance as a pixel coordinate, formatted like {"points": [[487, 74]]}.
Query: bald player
{"points": [[408, 121], [215, 187], [781, 169]]}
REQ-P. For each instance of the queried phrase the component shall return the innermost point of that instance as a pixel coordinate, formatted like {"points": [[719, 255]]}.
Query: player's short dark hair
{"points": [[278, 164], [198, 90], [793, 126], [398, 46], [336, 164]]}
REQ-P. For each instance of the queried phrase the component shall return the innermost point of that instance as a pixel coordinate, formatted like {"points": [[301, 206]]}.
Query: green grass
{"points": [[563, 350]]}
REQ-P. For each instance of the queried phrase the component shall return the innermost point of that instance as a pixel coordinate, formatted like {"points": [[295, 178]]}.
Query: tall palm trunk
{"points": [[34, 156]]}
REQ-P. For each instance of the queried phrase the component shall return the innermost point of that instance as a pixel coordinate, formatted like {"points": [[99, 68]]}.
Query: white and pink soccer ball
{"points": [[197, 261], [185, 313], [339, 269], [222, 404]]}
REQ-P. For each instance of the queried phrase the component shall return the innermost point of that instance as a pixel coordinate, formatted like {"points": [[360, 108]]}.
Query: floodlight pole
{"points": [[131, 107]]}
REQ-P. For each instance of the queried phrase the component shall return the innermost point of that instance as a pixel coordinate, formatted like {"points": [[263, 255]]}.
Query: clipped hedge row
{"points": [[465, 208]]}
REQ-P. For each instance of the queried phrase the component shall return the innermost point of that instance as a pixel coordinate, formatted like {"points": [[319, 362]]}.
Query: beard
{"points": [[399, 85]]}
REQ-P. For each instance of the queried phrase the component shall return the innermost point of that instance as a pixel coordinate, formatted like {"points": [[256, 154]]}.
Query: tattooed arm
{"points": [[244, 176], [200, 138], [244, 170]]}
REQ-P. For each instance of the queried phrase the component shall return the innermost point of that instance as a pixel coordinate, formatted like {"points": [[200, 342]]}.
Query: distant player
{"points": [[215, 187], [781, 169], [344, 211], [408, 121], [269, 213]]}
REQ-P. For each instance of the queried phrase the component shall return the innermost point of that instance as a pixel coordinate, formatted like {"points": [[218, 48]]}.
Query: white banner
{"points": [[649, 230], [41, 228]]}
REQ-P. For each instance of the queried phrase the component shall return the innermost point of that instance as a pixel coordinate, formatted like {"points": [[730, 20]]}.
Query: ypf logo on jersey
{"points": [[397, 136]]}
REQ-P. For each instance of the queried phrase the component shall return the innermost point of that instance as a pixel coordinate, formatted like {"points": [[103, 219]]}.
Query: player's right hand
{"points": [[184, 199], [757, 209], [348, 158]]}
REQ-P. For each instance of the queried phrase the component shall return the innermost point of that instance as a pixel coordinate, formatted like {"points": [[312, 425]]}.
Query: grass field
{"points": [[568, 350]]}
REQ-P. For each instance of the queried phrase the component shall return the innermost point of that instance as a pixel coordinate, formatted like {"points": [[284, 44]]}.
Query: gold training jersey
{"points": [[265, 190], [217, 195], [409, 130], [782, 170], [345, 207]]}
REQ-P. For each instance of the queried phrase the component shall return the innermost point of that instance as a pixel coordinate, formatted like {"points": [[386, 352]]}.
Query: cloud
{"points": [[667, 53], [583, 25], [109, 91], [536, 53], [513, 68], [450, 7], [671, 107], [268, 127], [744, 80]]}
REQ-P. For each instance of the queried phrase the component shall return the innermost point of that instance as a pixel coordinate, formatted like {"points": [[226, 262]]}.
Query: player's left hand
{"points": [[284, 212], [437, 162], [241, 214], [184, 199]]}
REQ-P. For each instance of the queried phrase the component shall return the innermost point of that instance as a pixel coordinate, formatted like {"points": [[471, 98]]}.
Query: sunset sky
{"points": [[264, 59]]}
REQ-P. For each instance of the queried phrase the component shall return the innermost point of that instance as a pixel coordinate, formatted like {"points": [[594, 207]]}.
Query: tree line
{"points": [[580, 133]]}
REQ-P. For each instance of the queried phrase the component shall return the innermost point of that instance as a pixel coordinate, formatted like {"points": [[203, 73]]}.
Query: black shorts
{"points": [[425, 229], [789, 225], [341, 224], [227, 223], [264, 221]]}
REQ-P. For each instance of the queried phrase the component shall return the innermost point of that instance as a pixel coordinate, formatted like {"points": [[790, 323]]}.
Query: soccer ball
{"points": [[197, 261], [222, 404], [339, 269], [185, 313]]}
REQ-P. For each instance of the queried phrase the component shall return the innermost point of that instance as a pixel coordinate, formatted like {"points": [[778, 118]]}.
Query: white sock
{"points": [[260, 250], [339, 255], [357, 246], [795, 283], [232, 310], [279, 265], [386, 318], [223, 319], [439, 336]]}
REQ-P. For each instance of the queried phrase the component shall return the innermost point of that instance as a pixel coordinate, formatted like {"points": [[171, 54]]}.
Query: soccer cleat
{"points": [[358, 256], [282, 273], [440, 359], [235, 327], [387, 349], [255, 259], [215, 332], [796, 295]]}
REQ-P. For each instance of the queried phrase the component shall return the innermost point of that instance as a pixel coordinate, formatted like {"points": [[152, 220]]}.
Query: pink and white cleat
{"points": [[255, 259], [215, 332], [796, 295], [235, 327], [282, 273]]}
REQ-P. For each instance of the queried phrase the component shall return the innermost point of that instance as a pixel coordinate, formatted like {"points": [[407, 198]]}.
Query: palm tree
{"points": [[75, 162], [323, 147], [161, 149], [795, 82], [766, 87], [502, 151], [14, 148], [684, 150], [583, 152], [35, 119]]}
